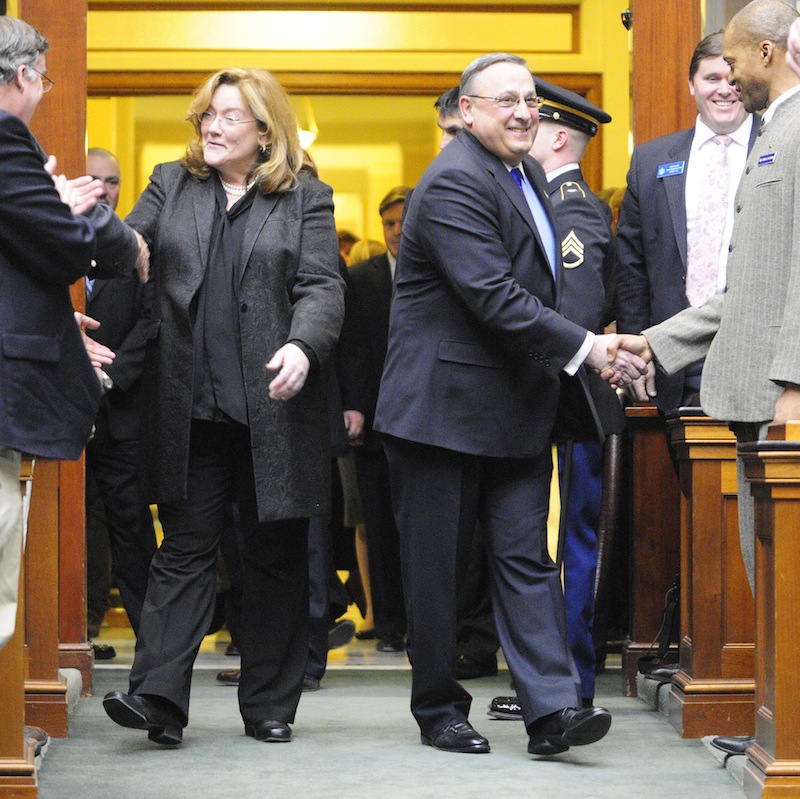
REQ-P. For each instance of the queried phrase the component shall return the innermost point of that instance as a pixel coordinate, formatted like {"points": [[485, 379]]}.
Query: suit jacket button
{"points": [[243, 307]]}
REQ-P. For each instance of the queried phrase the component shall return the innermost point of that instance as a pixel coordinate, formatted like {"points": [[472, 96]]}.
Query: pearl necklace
{"points": [[236, 190]]}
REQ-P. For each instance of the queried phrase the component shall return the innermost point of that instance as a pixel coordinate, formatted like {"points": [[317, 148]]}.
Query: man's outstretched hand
{"points": [[626, 353]]}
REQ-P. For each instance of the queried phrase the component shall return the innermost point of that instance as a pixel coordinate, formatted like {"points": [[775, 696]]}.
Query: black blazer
{"points": [[122, 306], [367, 304], [651, 246], [49, 392], [475, 345]]}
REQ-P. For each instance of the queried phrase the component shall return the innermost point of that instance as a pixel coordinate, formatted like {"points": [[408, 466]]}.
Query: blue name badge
{"points": [[668, 170], [768, 158]]}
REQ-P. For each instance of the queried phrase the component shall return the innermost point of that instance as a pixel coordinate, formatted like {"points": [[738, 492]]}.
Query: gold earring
{"points": [[262, 147]]}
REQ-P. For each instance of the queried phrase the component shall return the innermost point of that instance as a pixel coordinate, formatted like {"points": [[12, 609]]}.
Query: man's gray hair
{"points": [[20, 44], [482, 63]]}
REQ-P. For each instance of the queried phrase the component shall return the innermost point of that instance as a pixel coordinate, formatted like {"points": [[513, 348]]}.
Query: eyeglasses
{"points": [[47, 83], [508, 101], [208, 117]]}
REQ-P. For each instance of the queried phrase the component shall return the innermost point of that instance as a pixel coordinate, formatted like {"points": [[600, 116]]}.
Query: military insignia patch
{"points": [[571, 190], [572, 251]]}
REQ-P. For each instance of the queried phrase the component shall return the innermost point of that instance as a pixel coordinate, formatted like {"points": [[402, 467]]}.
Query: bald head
{"points": [[764, 19], [103, 165], [754, 46]]}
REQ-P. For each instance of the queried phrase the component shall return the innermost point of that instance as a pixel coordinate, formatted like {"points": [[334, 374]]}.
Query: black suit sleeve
{"points": [[353, 354], [38, 232], [117, 246], [128, 365]]}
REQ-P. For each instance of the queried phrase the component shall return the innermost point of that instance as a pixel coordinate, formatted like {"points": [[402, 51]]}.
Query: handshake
{"points": [[625, 361]]}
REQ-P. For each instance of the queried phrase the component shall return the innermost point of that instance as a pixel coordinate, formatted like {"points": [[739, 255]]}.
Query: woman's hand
{"points": [[293, 365]]}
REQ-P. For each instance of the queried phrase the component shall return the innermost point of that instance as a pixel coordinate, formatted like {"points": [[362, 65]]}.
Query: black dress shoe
{"points": [[158, 716], [366, 635], [341, 634], [572, 726], [229, 677], [310, 682], [37, 739], [395, 642], [505, 707], [733, 744], [663, 673], [269, 730], [103, 651], [469, 668], [459, 737]]}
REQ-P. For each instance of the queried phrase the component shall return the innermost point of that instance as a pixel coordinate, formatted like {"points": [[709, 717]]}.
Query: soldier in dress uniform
{"points": [[567, 123]]}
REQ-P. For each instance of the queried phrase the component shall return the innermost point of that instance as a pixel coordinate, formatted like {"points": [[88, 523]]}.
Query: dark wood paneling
{"points": [[773, 471], [713, 693]]}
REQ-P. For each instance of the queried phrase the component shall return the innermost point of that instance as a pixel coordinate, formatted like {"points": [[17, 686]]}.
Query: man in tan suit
{"points": [[750, 334]]}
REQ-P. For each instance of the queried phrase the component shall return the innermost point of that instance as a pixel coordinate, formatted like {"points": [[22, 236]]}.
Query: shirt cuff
{"points": [[581, 355], [313, 362]]}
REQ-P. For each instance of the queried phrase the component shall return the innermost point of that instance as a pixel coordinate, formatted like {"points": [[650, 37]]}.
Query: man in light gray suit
{"points": [[750, 334]]}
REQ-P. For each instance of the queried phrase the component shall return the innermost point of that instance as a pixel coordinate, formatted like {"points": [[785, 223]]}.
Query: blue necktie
{"points": [[89, 286], [540, 218]]}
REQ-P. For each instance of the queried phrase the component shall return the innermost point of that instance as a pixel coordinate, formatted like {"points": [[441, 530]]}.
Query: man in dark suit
{"points": [[50, 390], [467, 406], [660, 210], [567, 123], [367, 303], [113, 456]]}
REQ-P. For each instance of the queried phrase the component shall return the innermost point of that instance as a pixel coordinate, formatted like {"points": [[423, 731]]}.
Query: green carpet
{"points": [[356, 738]]}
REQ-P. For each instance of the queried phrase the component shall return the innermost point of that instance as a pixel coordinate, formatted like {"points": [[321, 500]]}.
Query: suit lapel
{"points": [[97, 287], [509, 186], [383, 273], [263, 205], [675, 189], [754, 132], [540, 188], [514, 193], [204, 202]]}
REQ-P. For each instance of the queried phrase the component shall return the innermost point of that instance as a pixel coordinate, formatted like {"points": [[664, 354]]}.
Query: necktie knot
{"points": [[723, 140]]}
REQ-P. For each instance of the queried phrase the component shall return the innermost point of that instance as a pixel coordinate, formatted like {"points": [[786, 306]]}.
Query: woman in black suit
{"points": [[248, 304]]}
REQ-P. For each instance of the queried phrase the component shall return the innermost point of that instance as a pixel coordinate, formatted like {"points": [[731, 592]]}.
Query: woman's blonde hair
{"points": [[365, 249], [282, 158]]}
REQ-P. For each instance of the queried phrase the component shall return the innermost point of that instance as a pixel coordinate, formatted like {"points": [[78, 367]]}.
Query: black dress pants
{"points": [[180, 594], [438, 497], [114, 478], [383, 542]]}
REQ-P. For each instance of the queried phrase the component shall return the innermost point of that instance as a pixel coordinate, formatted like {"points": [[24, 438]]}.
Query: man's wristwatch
{"points": [[106, 383]]}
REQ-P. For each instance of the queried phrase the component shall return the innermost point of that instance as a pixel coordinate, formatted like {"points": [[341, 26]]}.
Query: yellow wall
{"points": [[366, 144]]}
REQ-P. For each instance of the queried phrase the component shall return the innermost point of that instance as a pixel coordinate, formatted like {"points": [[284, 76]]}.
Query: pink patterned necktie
{"points": [[705, 240]]}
